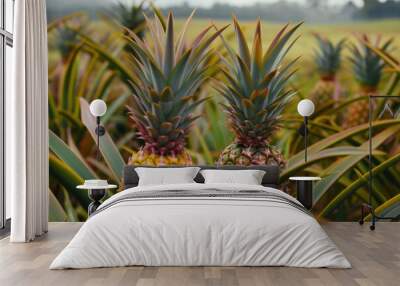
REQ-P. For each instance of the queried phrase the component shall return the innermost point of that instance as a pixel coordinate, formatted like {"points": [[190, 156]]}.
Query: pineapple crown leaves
{"points": [[64, 32], [328, 56], [168, 74], [390, 60], [163, 62], [128, 16], [256, 83], [367, 65]]}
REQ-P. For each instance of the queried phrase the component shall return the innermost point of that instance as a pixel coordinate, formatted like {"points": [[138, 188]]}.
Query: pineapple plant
{"points": [[328, 61], [368, 70], [168, 74], [129, 16], [256, 92]]}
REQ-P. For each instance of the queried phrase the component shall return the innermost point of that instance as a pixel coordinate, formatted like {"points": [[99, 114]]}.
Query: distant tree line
{"points": [[272, 12], [312, 10], [373, 9], [279, 11]]}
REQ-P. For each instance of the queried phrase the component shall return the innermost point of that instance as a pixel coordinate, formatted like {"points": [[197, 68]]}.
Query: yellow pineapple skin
{"points": [[358, 112], [324, 92], [143, 158], [237, 154]]}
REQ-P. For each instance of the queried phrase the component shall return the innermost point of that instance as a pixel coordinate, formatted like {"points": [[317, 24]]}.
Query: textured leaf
{"points": [[169, 56], [71, 212], [68, 82], [349, 190], [204, 146], [103, 89], [390, 208], [180, 46], [68, 156], [347, 163], [242, 44], [89, 87], [276, 50], [341, 137], [114, 106], [340, 106], [112, 60], [389, 59], [56, 211], [68, 178], [159, 15], [68, 117], [60, 21], [334, 152]]}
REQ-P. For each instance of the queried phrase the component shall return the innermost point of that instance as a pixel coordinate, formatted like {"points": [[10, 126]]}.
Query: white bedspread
{"points": [[200, 231]]}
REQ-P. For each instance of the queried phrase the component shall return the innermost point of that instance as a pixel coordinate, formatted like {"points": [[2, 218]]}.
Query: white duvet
{"points": [[200, 231]]}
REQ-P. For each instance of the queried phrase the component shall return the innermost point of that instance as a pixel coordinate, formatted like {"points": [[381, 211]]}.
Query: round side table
{"points": [[305, 190], [96, 194]]}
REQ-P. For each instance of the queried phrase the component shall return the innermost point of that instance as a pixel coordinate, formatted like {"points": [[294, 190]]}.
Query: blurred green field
{"points": [[306, 44], [306, 76]]}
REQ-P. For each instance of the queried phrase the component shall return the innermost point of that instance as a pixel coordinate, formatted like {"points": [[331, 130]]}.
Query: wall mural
{"points": [[184, 90]]}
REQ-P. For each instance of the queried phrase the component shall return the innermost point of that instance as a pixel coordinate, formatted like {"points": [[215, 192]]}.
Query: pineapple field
{"points": [[190, 91]]}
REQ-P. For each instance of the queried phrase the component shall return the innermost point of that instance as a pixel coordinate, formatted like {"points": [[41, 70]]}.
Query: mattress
{"points": [[201, 225]]}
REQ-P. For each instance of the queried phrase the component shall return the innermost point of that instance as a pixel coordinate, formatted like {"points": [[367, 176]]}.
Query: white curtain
{"points": [[27, 124]]}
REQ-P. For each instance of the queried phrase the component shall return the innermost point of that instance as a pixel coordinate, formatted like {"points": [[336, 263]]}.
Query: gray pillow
{"points": [[166, 176], [244, 177]]}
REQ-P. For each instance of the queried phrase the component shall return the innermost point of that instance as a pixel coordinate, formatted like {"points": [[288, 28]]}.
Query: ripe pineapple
{"points": [[328, 60], [168, 74], [256, 94], [368, 69]]}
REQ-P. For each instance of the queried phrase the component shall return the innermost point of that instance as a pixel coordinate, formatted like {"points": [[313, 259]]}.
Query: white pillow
{"points": [[248, 177], [166, 176]]}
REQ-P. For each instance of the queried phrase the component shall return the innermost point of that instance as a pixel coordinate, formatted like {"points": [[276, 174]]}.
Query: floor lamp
{"points": [[368, 207]]}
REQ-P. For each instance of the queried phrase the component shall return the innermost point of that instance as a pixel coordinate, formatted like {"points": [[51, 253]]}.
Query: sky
{"points": [[206, 3]]}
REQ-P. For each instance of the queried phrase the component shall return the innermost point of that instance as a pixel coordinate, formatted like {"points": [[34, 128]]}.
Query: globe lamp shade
{"points": [[306, 108], [98, 107]]}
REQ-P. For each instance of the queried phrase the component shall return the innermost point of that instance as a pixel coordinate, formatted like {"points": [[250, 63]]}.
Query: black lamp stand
{"points": [[367, 208], [100, 131], [303, 131], [304, 187], [305, 137], [96, 195]]}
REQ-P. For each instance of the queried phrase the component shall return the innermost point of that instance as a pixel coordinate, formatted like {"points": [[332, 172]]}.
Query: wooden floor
{"points": [[375, 257]]}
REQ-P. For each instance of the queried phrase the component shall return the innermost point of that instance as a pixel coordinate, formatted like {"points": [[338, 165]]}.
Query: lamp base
{"points": [[369, 209], [100, 130], [305, 193], [96, 195], [302, 130]]}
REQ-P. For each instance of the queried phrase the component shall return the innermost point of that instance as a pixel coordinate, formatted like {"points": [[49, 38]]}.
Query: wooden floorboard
{"points": [[375, 257]]}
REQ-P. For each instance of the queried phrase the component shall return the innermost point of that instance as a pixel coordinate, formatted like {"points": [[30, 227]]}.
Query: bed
{"points": [[197, 224]]}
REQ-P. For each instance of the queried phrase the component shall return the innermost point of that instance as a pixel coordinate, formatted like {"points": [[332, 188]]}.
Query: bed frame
{"points": [[270, 179]]}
